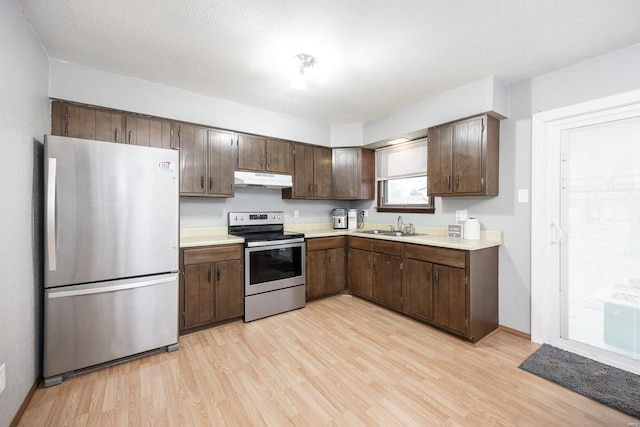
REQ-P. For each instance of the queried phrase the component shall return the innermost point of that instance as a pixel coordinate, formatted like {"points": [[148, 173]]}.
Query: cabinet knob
{"points": [[115, 136]]}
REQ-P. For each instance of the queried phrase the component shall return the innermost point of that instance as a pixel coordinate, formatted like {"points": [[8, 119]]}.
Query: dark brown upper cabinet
{"points": [[463, 158], [260, 154], [150, 132], [353, 173], [312, 175], [78, 121], [206, 162]]}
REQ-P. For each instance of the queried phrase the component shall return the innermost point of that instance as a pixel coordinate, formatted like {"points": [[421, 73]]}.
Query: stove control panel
{"points": [[256, 218]]}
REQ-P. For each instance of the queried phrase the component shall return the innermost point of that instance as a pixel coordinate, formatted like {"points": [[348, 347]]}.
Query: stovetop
{"points": [[260, 226]]}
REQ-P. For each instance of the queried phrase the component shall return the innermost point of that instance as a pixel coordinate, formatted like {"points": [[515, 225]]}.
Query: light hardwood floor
{"points": [[339, 361]]}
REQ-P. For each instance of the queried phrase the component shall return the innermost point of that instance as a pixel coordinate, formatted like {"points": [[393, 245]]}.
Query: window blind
{"points": [[402, 161]]}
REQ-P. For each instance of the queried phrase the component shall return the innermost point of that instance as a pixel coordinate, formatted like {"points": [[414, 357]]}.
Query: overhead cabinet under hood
{"points": [[262, 179]]}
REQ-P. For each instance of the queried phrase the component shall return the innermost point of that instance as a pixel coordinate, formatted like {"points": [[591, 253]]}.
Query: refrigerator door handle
{"points": [[51, 215], [111, 288]]}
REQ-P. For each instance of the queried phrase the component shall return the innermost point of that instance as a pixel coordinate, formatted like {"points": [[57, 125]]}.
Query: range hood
{"points": [[262, 179]]}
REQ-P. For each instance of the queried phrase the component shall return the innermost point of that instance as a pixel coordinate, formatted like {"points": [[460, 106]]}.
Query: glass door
{"points": [[599, 232]]}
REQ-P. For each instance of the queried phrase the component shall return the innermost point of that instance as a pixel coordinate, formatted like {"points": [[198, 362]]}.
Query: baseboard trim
{"points": [[515, 332], [25, 402]]}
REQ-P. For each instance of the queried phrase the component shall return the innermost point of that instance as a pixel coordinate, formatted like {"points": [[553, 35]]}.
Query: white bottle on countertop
{"points": [[471, 229]]}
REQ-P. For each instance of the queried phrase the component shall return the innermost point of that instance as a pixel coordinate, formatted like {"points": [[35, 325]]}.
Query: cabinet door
{"points": [[316, 273], [58, 118], [322, 172], [220, 180], [73, 121], [303, 171], [161, 133], [251, 152], [417, 289], [137, 130], [440, 160], [86, 122], [387, 280], [109, 126], [336, 265], [467, 155], [198, 295], [193, 149], [279, 156], [359, 277], [229, 295], [450, 298], [346, 173]]}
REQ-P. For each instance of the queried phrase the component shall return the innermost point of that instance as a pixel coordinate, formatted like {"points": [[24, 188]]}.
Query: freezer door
{"points": [[86, 325], [111, 211]]}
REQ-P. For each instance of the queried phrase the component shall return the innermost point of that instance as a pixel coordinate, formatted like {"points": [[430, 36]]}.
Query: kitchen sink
{"points": [[389, 233]]}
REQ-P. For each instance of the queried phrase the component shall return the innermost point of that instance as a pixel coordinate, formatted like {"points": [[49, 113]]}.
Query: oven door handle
{"points": [[275, 243]]}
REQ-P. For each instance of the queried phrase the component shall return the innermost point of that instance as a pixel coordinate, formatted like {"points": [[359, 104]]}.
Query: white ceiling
{"points": [[384, 54]]}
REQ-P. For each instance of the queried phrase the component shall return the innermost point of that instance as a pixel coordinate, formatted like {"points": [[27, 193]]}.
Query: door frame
{"points": [[546, 238]]}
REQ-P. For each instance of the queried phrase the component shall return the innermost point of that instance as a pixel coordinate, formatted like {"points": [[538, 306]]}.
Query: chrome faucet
{"points": [[399, 223]]}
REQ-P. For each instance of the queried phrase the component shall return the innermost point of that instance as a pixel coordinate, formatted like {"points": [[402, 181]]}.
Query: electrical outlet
{"points": [[2, 378], [296, 213], [365, 212], [461, 215]]}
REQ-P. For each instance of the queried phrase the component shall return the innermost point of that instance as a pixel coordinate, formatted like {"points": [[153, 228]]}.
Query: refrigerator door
{"points": [[86, 325], [111, 211]]}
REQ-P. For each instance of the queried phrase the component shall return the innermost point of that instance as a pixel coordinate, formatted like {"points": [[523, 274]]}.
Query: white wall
{"points": [[481, 96], [78, 83], [200, 212], [347, 135], [24, 118]]}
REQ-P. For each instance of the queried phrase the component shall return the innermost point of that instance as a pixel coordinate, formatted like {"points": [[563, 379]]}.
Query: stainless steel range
{"points": [[274, 267]]}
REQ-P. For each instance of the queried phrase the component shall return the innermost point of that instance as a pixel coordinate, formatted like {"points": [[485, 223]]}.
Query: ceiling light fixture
{"points": [[308, 70]]}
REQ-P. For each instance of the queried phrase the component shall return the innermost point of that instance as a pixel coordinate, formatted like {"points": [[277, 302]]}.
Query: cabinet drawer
{"points": [[359, 243], [212, 254], [450, 257], [387, 247], [320, 243]]}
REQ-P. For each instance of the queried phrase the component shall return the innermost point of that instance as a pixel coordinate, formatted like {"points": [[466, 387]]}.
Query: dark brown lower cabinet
{"points": [[375, 270], [450, 298], [387, 279], [417, 289], [211, 288], [326, 266], [455, 290]]}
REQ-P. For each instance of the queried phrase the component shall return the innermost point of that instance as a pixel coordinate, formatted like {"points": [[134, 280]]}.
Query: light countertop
{"points": [[207, 236], [431, 236]]}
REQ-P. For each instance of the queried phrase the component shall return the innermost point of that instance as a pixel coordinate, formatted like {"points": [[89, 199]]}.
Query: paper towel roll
{"points": [[472, 229], [353, 219]]}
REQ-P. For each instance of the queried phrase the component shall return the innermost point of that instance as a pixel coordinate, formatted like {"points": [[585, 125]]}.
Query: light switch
{"points": [[523, 196]]}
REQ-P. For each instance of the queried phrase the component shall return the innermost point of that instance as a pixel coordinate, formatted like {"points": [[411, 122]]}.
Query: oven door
{"points": [[272, 267]]}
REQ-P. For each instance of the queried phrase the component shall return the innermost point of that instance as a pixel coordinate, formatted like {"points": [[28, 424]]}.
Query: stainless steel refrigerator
{"points": [[111, 253]]}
